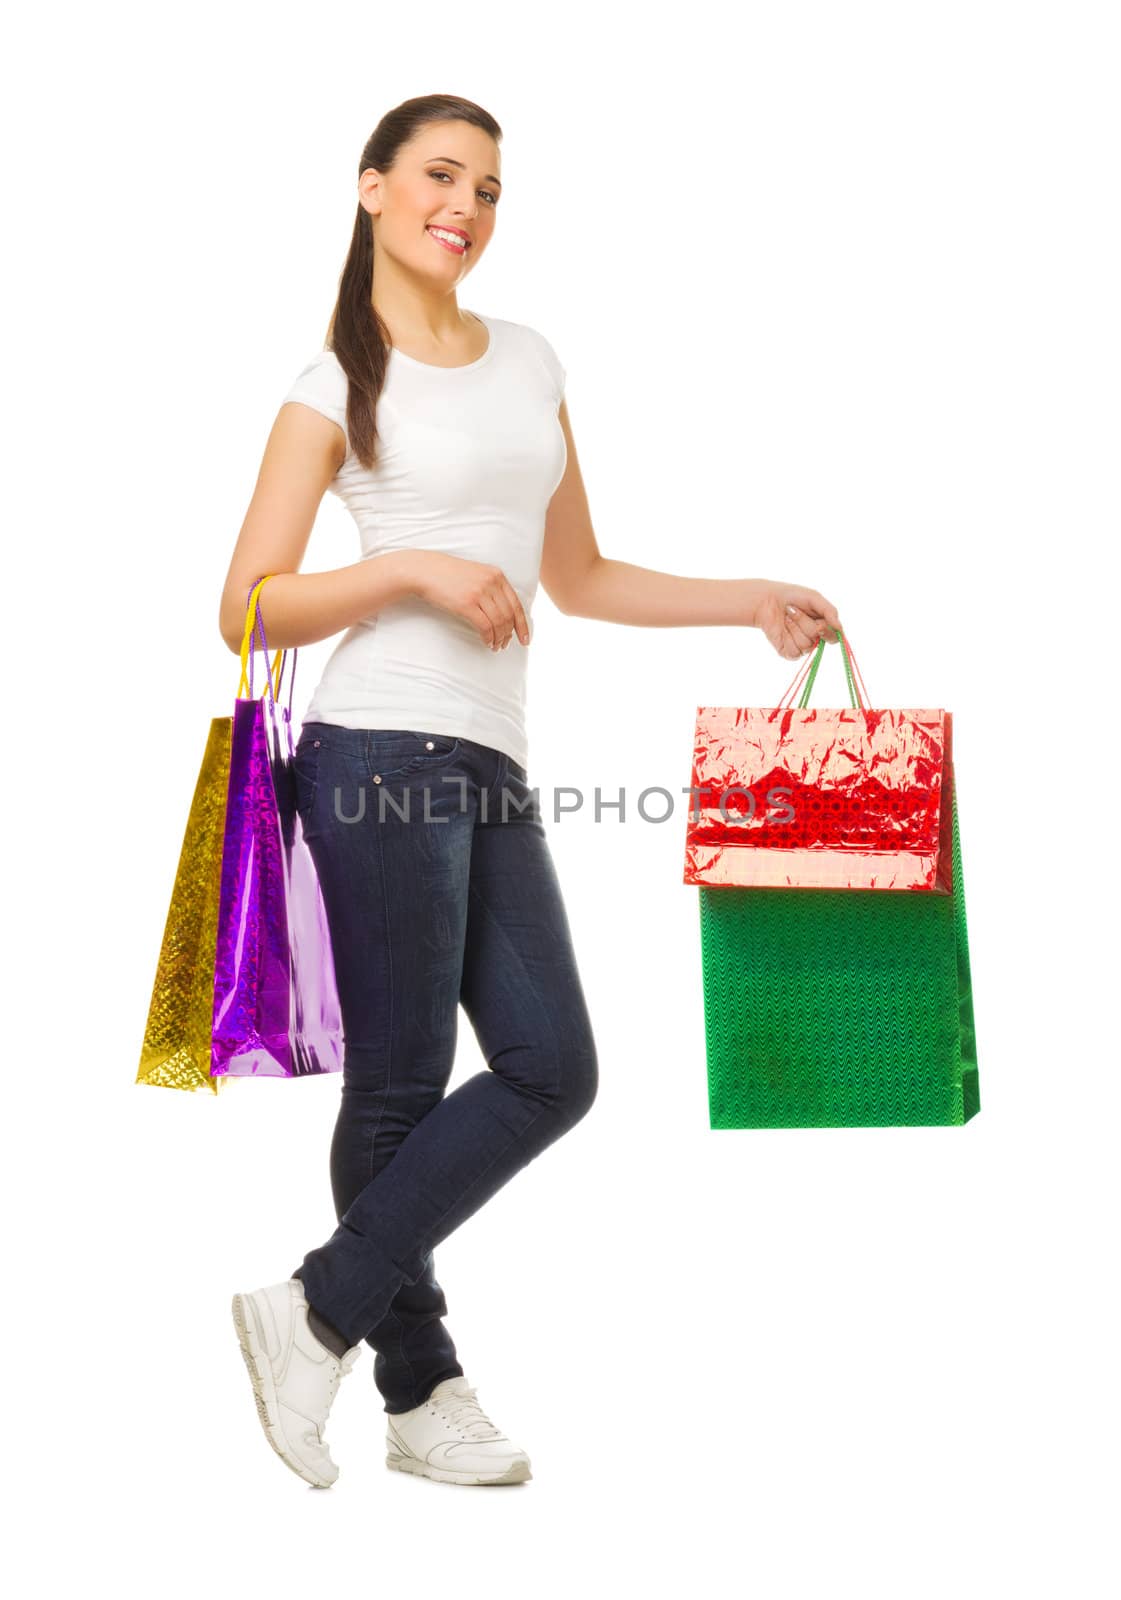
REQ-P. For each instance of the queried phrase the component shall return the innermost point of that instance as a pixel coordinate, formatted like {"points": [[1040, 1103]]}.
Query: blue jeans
{"points": [[430, 909]]}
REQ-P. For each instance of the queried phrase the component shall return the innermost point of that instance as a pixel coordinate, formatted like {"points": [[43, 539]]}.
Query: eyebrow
{"points": [[452, 162]]}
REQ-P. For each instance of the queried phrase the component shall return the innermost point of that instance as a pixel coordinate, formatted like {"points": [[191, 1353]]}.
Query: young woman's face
{"points": [[446, 178]]}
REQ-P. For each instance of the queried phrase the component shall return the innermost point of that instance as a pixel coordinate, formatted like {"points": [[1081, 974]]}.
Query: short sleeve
{"points": [[322, 385], [550, 361]]}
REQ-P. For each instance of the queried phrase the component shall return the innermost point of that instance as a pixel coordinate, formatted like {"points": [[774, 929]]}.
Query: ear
{"points": [[369, 191]]}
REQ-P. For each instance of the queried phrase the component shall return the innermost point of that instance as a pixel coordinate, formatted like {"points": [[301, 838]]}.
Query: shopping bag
{"points": [[825, 847], [276, 1008], [176, 1050]]}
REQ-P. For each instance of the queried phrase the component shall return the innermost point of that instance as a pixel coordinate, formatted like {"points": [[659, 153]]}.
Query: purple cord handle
{"points": [[260, 628]]}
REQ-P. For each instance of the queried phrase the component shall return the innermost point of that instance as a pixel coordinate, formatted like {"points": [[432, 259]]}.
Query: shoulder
{"points": [[538, 350], [322, 383]]}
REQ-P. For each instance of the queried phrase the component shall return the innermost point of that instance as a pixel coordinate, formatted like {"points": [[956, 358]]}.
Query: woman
{"points": [[447, 436]]}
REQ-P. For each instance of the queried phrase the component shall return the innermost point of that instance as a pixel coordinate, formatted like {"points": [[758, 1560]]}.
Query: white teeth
{"points": [[453, 238]]}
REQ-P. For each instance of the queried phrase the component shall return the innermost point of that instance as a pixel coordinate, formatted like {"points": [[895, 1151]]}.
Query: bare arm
{"points": [[616, 591], [584, 583], [303, 453]]}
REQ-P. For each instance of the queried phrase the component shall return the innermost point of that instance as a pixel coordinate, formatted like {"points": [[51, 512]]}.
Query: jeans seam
{"points": [[313, 782], [388, 1077], [500, 778]]}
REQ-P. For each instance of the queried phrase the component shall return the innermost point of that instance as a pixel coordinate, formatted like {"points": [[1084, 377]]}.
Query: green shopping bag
{"points": [[835, 955]]}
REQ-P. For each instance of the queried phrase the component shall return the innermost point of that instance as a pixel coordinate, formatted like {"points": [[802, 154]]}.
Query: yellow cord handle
{"points": [[247, 636]]}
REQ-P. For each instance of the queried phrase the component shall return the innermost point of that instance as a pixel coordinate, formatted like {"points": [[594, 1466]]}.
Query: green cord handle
{"points": [[854, 695]]}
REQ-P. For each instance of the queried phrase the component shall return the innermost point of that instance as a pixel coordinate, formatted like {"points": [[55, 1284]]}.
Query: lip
{"points": [[466, 237]]}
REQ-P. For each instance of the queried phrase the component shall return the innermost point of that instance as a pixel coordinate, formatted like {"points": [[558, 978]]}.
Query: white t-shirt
{"points": [[469, 458]]}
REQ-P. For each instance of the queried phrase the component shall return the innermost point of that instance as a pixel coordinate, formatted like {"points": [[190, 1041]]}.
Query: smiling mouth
{"points": [[453, 242]]}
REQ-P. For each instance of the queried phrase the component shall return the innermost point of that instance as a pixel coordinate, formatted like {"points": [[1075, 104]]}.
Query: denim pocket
{"points": [[395, 752]]}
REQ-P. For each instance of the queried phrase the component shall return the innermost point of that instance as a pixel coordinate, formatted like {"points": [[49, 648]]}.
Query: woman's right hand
{"points": [[476, 591], [793, 618]]}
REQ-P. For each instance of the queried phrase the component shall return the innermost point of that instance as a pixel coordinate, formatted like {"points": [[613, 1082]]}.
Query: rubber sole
{"points": [[517, 1472], [264, 1390]]}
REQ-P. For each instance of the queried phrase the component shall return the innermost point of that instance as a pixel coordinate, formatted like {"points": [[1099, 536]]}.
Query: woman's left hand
{"points": [[793, 617]]}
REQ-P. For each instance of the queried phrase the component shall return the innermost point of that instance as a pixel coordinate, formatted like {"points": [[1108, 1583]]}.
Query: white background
{"points": [[836, 287]]}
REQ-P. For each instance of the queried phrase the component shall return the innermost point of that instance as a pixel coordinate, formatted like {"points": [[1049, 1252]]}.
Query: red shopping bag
{"points": [[794, 796]]}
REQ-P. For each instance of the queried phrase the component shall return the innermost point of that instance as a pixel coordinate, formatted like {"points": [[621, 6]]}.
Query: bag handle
{"points": [[255, 621], [810, 666], [253, 617]]}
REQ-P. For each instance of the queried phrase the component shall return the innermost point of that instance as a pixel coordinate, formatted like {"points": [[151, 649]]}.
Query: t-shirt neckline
{"points": [[468, 366]]}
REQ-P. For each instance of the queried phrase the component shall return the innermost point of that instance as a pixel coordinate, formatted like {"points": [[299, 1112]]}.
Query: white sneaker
{"points": [[294, 1376], [451, 1439]]}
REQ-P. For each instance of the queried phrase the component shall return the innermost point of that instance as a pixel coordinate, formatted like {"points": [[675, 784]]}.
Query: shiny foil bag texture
{"points": [[794, 796], [275, 1004], [176, 1049], [828, 1002]]}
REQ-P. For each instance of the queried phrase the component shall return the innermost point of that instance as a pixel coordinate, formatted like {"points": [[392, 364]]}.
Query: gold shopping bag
{"points": [[176, 1049]]}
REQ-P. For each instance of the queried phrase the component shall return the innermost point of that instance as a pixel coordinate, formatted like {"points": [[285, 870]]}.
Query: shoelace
{"points": [[339, 1369], [463, 1411]]}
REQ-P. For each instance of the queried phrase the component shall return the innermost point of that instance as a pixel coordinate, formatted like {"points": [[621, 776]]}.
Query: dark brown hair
{"points": [[356, 333]]}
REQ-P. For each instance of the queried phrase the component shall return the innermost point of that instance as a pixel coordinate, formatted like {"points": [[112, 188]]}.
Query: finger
{"points": [[827, 629], [781, 641], [801, 636], [802, 629], [488, 627], [505, 620], [498, 610], [824, 613], [482, 625], [772, 624], [504, 625], [820, 611], [521, 626]]}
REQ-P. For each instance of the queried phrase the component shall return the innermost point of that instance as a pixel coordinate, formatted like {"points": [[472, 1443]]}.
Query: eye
{"points": [[438, 172]]}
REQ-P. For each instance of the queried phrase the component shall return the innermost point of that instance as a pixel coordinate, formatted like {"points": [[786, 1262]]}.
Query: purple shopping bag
{"points": [[276, 1007]]}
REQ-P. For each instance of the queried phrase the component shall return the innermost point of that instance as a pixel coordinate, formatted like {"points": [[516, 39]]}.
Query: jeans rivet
{"points": [[377, 777], [428, 745], [315, 744]]}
